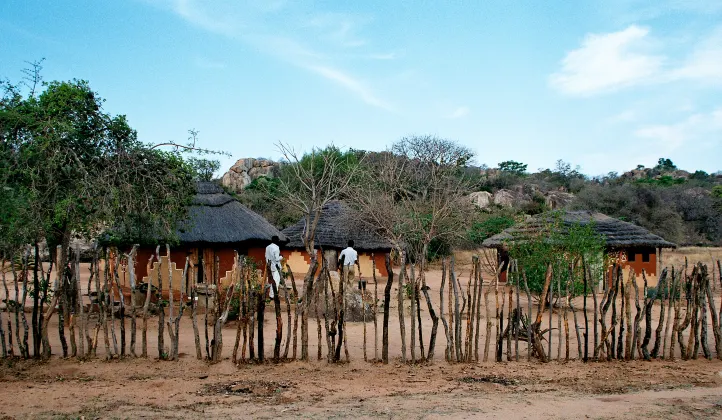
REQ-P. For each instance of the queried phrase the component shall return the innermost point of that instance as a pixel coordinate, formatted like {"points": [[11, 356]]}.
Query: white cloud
{"points": [[705, 62], [459, 112], [197, 16], [693, 128], [607, 62], [227, 19], [352, 84]]}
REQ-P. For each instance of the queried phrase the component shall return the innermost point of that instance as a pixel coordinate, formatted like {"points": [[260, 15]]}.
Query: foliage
{"points": [[204, 169], [68, 166], [664, 181], [665, 164], [481, 230], [513, 167], [413, 195], [563, 246]]}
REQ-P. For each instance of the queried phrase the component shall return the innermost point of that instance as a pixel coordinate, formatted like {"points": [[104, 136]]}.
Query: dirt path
{"points": [[192, 389]]}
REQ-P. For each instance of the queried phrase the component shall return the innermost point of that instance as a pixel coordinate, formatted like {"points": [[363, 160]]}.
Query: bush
{"points": [[480, 231]]}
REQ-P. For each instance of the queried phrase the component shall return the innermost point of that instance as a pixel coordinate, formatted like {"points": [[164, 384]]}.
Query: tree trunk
{"points": [[595, 354], [584, 309], [36, 307], [307, 296], [671, 287], [412, 314], [146, 305], [636, 339], [658, 339], [457, 313], [715, 319], [299, 308], [387, 302], [448, 351], [487, 338], [242, 313], [402, 324], [529, 331], [80, 313], [480, 281], [376, 306], [288, 317], [279, 321], [536, 338], [434, 317]]}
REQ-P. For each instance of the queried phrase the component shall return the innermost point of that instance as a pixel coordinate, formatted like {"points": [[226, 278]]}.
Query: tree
{"points": [[71, 168], [513, 167], [413, 195], [665, 164], [204, 169], [308, 183]]}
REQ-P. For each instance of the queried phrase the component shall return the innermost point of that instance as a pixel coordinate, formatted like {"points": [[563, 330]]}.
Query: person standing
{"points": [[273, 261], [346, 261]]}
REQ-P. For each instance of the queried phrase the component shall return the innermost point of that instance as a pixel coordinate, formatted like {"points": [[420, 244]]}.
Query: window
{"points": [[630, 256], [645, 256]]}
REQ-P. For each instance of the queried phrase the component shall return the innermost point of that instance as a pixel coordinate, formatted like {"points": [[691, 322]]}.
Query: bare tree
{"points": [[308, 183], [412, 195]]}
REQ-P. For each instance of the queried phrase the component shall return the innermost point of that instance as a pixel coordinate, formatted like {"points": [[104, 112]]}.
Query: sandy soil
{"points": [[190, 388], [193, 389]]}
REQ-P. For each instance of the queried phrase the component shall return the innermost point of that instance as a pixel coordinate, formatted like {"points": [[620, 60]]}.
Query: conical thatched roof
{"points": [[215, 217], [336, 226], [617, 233]]}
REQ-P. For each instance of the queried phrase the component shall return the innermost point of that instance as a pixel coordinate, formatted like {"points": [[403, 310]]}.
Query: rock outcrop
{"points": [[519, 197], [556, 200], [244, 171], [481, 199], [504, 198]]}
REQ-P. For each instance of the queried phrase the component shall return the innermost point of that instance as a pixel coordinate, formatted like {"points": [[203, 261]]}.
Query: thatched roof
{"points": [[215, 217], [336, 226], [617, 233]]}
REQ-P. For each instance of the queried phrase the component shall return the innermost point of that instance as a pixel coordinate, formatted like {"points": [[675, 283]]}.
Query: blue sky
{"points": [[604, 84]]}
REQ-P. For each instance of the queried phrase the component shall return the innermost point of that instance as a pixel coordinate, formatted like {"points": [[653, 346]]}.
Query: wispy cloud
{"points": [[191, 12], [337, 29], [607, 62], [673, 136], [459, 112], [705, 62], [352, 84]]}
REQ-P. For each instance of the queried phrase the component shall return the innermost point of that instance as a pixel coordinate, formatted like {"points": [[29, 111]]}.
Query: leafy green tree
{"points": [[665, 164], [71, 168], [513, 167], [204, 169]]}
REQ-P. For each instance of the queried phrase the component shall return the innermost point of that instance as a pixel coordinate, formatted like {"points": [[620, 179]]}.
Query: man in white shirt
{"points": [[273, 259], [346, 261]]}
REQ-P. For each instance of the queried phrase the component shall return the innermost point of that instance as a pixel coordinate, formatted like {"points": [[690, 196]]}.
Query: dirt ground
{"points": [[193, 389], [189, 388]]}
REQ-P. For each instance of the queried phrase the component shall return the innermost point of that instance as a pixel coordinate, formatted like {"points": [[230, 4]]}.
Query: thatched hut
{"points": [[337, 225], [217, 226], [633, 246]]}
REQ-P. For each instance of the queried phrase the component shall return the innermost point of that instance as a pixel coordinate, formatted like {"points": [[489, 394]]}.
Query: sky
{"points": [[603, 84]]}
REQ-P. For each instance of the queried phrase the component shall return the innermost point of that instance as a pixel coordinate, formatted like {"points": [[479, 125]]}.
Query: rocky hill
{"points": [[246, 170]]}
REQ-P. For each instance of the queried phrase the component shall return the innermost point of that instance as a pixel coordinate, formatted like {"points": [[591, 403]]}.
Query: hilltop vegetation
{"points": [[681, 206]]}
